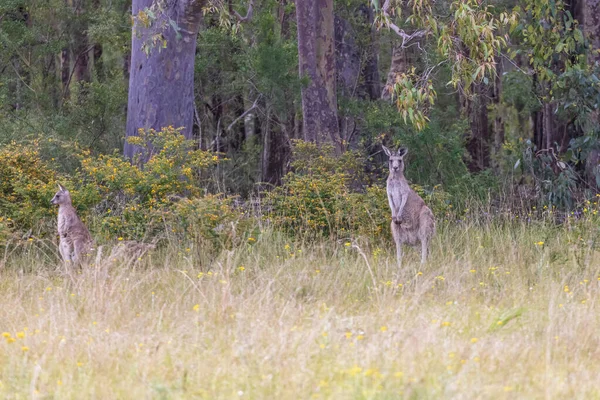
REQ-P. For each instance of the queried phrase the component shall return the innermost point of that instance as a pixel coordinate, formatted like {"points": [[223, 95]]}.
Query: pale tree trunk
{"points": [[161, 86], [398, 65], [316, 56]]}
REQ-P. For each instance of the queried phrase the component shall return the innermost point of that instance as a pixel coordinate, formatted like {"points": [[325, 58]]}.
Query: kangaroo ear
{"points": [[387, 151], [61, 188], [402, 151]]}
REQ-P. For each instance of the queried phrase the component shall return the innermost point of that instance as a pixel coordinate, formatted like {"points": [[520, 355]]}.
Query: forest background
{"points": [[243, 231], [285, 109]]}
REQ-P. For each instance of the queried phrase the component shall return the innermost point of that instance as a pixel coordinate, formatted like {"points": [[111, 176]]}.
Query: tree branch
{"points": [[400, 32], [254, 105], [73, 70], [248, 13]]}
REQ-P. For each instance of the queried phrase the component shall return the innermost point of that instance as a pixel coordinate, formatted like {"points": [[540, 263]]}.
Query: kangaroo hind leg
{"points": [[65, 250]]}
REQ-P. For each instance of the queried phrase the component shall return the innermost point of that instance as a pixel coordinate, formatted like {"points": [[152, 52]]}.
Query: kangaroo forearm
{"points": [[401, 207]]}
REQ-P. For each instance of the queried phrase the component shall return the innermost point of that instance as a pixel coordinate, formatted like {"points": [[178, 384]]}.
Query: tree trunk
{"points": [[316, 56], [398, 66], [98, 50], [65, 70], [82, 57], [250, 117], [275, 151], [126, 57], [65, 60], [498, 124], [347, 58], [478, 142], [50, 81], [588, 14], [161, 87], [370, 70]]}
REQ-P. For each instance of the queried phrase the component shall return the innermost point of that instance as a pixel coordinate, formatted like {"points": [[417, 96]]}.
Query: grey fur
{"points": [[412, 220], [75, 239]]}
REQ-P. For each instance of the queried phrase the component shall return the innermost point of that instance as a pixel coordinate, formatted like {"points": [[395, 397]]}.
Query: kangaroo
{"points": [[75, 239], [412, 220]]}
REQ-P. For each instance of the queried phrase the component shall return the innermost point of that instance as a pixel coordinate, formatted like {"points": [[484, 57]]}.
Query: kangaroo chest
{"points": [[65, 220], [397, 187]]}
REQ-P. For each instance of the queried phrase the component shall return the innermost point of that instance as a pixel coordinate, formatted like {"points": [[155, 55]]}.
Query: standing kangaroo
{"points": [[75, 239], [412, 220]]}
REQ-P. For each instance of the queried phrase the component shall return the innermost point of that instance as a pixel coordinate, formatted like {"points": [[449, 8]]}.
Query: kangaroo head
{"points": [[62, 196], [396, 159]]}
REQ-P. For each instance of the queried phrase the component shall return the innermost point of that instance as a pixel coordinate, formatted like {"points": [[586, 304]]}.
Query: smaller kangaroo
{"points": [[75, 239], [412, 220]]}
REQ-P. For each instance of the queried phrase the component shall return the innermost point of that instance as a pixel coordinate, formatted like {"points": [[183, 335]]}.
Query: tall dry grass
{"points": [[502, 310]]}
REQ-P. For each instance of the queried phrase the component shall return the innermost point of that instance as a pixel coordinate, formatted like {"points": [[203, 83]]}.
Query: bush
{"points": [[324, 195], [163, 198], [27, 183], [143, 200]]}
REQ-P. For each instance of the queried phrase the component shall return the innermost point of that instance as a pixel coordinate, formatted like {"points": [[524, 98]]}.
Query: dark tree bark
{"points": [[50, 80], [98, 62], [275, 150], [65, 70], [82, 49], [348, 68], [478, 141], [316, 56], [498, 125], [161, 87], [126, 57], [65, 61], [98, 50], [347, 58], [22, 76], [370, 71]]}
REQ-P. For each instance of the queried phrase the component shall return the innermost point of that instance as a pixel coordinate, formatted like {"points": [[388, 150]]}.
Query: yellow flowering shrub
{"points": [[161, 198], [141, 200], [326, 195], [27, 183]]}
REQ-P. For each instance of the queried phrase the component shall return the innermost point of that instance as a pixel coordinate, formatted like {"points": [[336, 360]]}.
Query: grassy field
{"points": [[502, 310]]}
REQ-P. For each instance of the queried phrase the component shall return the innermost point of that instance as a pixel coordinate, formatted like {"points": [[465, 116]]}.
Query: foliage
{"points": [[323, 196], [412, 99], [27, 183], [466, 35], [139, 201], [117, 199]]}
